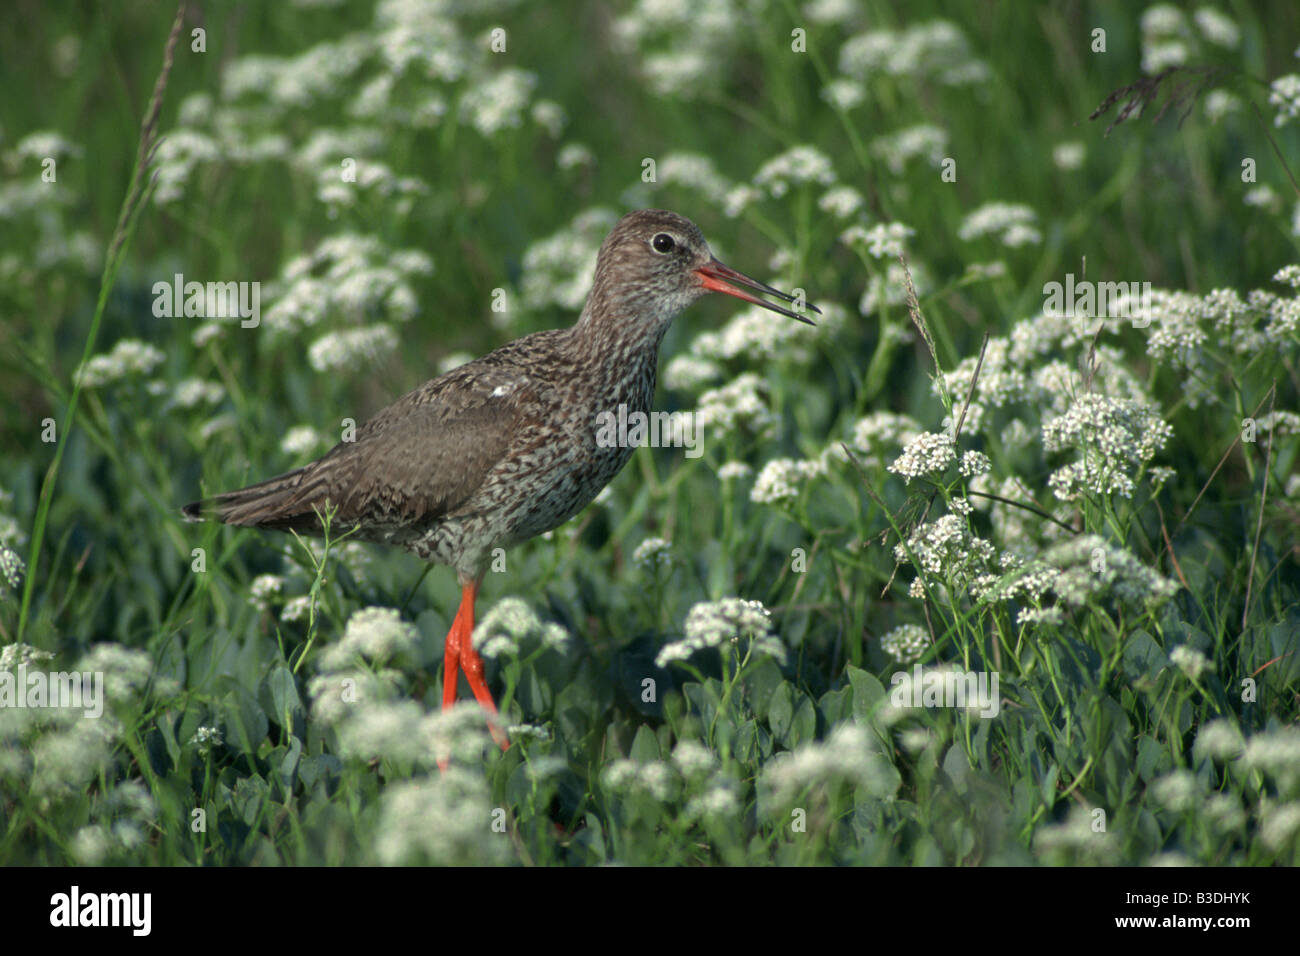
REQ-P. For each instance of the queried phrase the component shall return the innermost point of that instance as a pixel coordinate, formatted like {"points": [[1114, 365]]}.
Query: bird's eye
{"points": [[663, 243]]}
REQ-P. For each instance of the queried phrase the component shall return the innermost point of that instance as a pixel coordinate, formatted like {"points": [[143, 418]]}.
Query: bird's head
{"points": [[655, 263]]}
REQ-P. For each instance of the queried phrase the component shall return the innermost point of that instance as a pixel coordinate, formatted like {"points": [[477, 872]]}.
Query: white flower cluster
{"points": [[883, 240], [498, 102], [734, 471], [946, 548], [710, 624], [376, 633], [738, 404], [1092, 570], [1276, 754], [935, 50], [370, 177], [510, 624], [752, 333], [438, 821], [781, 480], [1114, 438], [974, 463], [129, 358], [1284, 95], [652, 554], [890, 289], [930, 453], [797, 166], [1013, 224], [558, 270], [925, 142], [193, 392], [882, 432], [1220, 740], [353, 276], [1190, 661], [349, 348], [693, 776], [841, 201], [906, 643], [300, 440], [265, 590], [687, 372], [681, 47], [12, 569], [847, 757], [693, 171], [16, 655], [1068, 157], [654, 779]]}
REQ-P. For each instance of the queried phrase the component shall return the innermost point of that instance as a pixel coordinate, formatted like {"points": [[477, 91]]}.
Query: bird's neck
{"points": [[611, 330], [622, 352]]}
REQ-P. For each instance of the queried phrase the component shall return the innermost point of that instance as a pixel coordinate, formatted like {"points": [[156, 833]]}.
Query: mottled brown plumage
{"points": [[504, 448]]}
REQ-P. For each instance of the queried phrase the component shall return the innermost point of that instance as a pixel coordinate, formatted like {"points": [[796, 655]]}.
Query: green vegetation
{"points": [[1095, 514]]}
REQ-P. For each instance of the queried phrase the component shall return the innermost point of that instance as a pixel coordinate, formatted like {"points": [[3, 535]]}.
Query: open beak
{"points": [[719, 278]]}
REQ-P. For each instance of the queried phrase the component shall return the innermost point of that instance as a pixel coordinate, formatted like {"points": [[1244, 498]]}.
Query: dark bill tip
{"points": [[719, 278]]}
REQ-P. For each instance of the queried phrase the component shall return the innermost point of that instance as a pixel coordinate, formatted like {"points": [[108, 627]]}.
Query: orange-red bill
{"points": [[719, 278]]}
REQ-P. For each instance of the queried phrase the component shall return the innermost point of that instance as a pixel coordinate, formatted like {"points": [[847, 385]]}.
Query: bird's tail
{"points": [[282, 503]]}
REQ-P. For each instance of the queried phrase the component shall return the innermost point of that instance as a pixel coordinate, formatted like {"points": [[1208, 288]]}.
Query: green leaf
{"points": [[245, 722], [317, 768], [761, 681], [957, 767], [645, 746], [803, 725], [868, 694], [836, 705], [781, 712], [281, 695], [288, 767], [1048, 787]]}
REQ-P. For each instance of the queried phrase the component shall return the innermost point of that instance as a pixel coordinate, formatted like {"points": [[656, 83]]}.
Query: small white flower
{"points": [[265, 590], [713, 623], [974, 463], [441, 821], [840, 201], [1014, 224], [925, 142], [129, 358], [734, 471], [206, 739], [843, 93], [1284, 95], [781, 480], [299, 441], [906, 643], [376, 633], [929, 453], [575, 156], [883, 240], [1220, 740], [1218, 28], [794, 167], [344, 350], [845, 758], [296, 609], [498, 101], [737, 404], [1177, 791], [1068, 156], [652, 553], [193, 392]]}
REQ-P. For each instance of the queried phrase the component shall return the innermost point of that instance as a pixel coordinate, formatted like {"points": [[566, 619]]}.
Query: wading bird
{"points": [[504, 448]]}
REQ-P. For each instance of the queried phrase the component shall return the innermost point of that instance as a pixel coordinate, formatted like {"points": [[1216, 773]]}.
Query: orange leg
{"points": [[460, 655]]}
